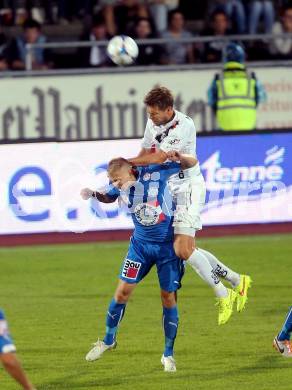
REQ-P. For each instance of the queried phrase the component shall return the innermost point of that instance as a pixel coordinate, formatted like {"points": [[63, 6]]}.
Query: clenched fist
{"points": [[86, 193], [173, 155]]}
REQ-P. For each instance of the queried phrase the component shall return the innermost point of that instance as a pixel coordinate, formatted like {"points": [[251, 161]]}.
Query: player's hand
{"points": [[86, 193], [173, 155]]}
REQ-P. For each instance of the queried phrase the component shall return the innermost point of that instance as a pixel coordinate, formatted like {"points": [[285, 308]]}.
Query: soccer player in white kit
{"points": [[168, 133]]}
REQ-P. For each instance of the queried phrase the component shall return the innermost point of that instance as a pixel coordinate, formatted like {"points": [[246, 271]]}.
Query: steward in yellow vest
{"points": [[235, 93]]}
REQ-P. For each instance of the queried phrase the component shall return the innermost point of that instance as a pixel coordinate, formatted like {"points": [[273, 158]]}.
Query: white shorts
{"points": [[189, 195]]}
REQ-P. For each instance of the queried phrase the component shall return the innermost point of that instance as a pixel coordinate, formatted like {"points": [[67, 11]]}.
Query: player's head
{"points": [[287, 18], [120, 172], [233, 52], [98, 27], [159, 104]]}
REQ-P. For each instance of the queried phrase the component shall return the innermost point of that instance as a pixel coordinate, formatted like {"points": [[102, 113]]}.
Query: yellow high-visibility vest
{"points": [[236, 104]]}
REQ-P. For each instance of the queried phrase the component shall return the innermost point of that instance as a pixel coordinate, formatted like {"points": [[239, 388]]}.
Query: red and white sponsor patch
{"points": [[131, 269]]}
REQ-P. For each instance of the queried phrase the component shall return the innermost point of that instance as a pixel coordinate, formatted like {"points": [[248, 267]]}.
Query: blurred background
{"points": [[66, 109]]}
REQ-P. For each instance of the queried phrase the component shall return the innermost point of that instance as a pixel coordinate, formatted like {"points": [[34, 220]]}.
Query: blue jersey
{"points": [[149, 202], [6, 342]]}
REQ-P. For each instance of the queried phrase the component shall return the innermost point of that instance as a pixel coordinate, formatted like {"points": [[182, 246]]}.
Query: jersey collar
{"points": [[168, 124]]}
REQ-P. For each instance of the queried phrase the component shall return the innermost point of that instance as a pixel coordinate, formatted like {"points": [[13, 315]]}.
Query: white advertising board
{"points": [[41, 182]]}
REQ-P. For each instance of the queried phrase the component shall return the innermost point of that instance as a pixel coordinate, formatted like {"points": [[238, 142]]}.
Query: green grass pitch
{"points": [[56, 297]]}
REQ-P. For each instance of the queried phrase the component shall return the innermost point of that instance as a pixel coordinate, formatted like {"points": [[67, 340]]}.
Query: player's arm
{"points": [[186, 160], [157, 157], [146, 155], [143, 152], [87, 193], [14, 369]]}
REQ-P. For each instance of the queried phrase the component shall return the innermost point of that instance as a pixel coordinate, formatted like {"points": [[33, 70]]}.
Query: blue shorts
{"points": [[142, 256], [6, 342]]}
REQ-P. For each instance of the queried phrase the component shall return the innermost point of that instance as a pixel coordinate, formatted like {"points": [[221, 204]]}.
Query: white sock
{"points": [[221, 269], [199, 262]]}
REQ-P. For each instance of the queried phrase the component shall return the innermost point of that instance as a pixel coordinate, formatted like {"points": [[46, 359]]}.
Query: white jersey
{"points": [[188, 190], [179, 134]]}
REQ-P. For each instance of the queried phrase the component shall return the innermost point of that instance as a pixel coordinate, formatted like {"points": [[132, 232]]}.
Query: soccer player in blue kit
{"points": [[8, 357], [144, 192], [282, 342]]}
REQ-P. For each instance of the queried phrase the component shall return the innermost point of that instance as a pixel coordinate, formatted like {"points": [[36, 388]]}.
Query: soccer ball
{"points": [[122, 50]]}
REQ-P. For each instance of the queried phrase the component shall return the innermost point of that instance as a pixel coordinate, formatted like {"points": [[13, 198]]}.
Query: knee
{"points": [[168, 299], [8, 360], [122, 296], [183, 250]]}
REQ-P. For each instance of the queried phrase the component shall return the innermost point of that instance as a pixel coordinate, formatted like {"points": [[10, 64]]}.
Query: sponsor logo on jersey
{"points": [[174, 141], [147, 176], [160, 137], [131, 269], [147, 214]]}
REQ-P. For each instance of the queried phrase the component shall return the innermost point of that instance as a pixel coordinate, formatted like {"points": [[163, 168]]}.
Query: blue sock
{"points": [[170, 325], [114, 316], [286, 328]]}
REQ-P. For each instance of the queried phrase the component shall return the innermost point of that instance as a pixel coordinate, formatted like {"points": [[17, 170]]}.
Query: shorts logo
{"points": [[131, 269]]}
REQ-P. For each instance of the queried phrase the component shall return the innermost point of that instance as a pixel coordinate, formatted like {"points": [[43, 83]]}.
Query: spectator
{"points": [[159, 11], [30, 9], [219, 27], [31, 34], [235, 93], [34, 10], [3, 52], [7, 14], [95, 56], [176, 52], [148, 54], [192, 12], [235, 11], [120, 18], [69, 10], [260, 8], [282, 47]]}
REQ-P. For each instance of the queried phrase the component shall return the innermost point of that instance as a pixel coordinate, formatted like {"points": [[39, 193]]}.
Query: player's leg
{"points": [[170, 325], [14, 369], [170, 270], [185, 249], [240, 283], [134, 268], [282, 342], [190, 199], [116, 310], [114, 316], [221, 269], [8, 357]]}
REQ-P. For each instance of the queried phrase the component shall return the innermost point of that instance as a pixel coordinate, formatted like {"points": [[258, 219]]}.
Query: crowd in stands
{"points": [[170, 19]]}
